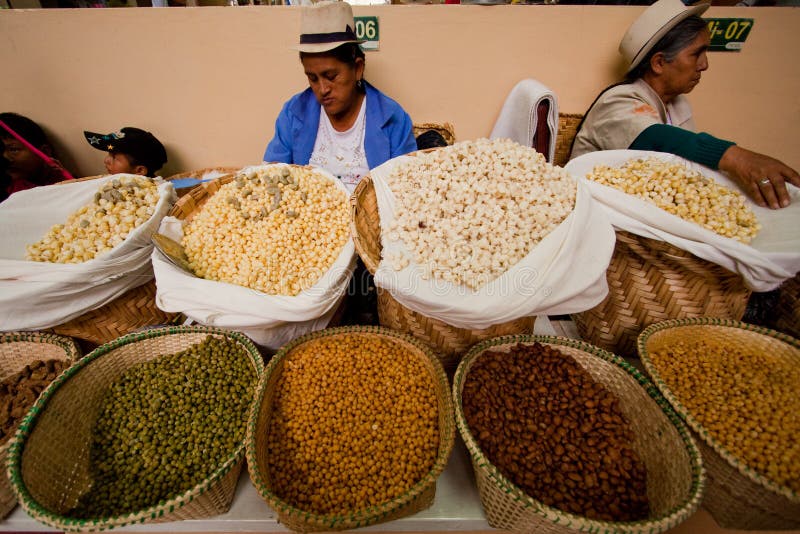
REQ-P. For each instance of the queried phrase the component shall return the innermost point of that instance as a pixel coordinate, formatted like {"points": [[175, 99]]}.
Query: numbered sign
{"points": [[728, 35], [367, 29]]}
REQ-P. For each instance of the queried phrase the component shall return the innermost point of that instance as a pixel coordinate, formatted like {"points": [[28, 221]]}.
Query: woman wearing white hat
{"points": [[360, 127], [665, 49]]}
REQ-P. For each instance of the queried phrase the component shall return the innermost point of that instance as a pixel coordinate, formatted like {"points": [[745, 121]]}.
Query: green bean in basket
{"points": [[166, 425]]}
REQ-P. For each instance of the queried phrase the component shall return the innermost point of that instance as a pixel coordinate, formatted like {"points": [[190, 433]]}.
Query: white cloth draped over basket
{"points": [[771, 257], [36, 295], [269, 320], [563, 273], [519, 117]]}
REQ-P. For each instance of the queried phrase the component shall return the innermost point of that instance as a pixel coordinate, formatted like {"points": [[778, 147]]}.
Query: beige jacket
{"points": [[625, 111]]}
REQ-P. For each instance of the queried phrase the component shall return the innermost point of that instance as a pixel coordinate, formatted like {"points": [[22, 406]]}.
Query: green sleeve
{"points": [[698, 147]]}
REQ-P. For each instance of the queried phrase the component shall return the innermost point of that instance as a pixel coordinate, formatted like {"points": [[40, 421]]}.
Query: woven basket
{"points": [[133, 310], [788, 311], [49, 457], [445, 129], [416, 499], [18, 349], [448, 341], [675, 475], [736, 496], [651, 281], [567, 130]]}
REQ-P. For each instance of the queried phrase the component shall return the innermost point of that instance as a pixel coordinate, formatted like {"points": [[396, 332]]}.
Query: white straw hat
{"points": [[326, 25], [651, 26]]}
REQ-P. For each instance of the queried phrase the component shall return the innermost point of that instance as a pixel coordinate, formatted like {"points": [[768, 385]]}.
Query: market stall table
{"points": [[456, 508]]}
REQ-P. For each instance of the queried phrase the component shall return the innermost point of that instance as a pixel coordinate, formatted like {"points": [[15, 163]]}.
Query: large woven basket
{"points": [[49, 457], [651, 281], [134, 309], [567, 130], [18, 349], [418, 498], [736, 496], [449, 342], [675, 475], [190, 204]]}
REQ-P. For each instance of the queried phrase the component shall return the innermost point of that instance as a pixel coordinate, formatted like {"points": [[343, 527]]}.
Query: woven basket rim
{"points": [[683, 412], [670, 519], [224, 170], [373, 514], [71, 349], [14, 463]]}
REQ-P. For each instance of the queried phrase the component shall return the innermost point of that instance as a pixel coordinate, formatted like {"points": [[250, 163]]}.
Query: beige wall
{"points": [[210, 81]]}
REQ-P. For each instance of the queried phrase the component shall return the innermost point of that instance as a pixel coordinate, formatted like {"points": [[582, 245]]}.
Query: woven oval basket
{"points": [[49, 457], [190, 204], [736, 496], [18, 349], [449, 342], [418, 498], [651, 281], [675, 475]]}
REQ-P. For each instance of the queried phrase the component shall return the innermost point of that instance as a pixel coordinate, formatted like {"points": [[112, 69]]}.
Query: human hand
{"points": [[763, 178]]}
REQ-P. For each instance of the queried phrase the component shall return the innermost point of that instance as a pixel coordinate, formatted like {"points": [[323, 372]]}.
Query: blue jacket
{"points": [[388, 130]]}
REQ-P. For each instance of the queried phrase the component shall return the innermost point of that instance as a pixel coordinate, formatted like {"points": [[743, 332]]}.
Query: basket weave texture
{"points": [[18, 349], [188, 205], [788, 312], [418, 498], [567, 130], [651, 281], [447, 340], [199, 173], [134, 309], [736, 496], [445, 129], [49, 457], [675, 474]]}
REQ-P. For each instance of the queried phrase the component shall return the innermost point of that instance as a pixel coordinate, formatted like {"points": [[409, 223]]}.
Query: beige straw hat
{"points": [[651, 26], [326, 25]]}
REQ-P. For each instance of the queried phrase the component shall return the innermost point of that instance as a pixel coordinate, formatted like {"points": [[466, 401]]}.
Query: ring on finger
{"points": [[765, 181]]}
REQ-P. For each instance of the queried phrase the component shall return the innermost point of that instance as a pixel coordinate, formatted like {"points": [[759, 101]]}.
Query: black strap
{"points": [[580, 124]]}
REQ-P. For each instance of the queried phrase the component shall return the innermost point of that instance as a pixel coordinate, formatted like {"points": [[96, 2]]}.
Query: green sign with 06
{"points": [[367, 29]]}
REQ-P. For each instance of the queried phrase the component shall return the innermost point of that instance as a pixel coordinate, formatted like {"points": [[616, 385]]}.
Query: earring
{"points": [[360, 84]]}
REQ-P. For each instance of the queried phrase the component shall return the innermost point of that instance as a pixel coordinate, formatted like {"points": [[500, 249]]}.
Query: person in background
{"points": [[665, 49], [340, 123], [130, 151], [22, 167]]}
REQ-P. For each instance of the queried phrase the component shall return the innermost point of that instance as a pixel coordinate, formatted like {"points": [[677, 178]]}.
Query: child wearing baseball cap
{"points": [[131, 151]]}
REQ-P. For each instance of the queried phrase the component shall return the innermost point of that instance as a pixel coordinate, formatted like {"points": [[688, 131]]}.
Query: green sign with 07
{"points": [[728, 35]]}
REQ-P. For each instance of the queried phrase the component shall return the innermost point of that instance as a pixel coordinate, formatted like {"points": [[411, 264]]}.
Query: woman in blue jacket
{"points": [[360, 127]]}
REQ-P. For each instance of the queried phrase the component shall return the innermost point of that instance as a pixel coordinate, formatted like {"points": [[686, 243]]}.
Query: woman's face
{"points": [[683, 73], [333, 82], [22, 163]]}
